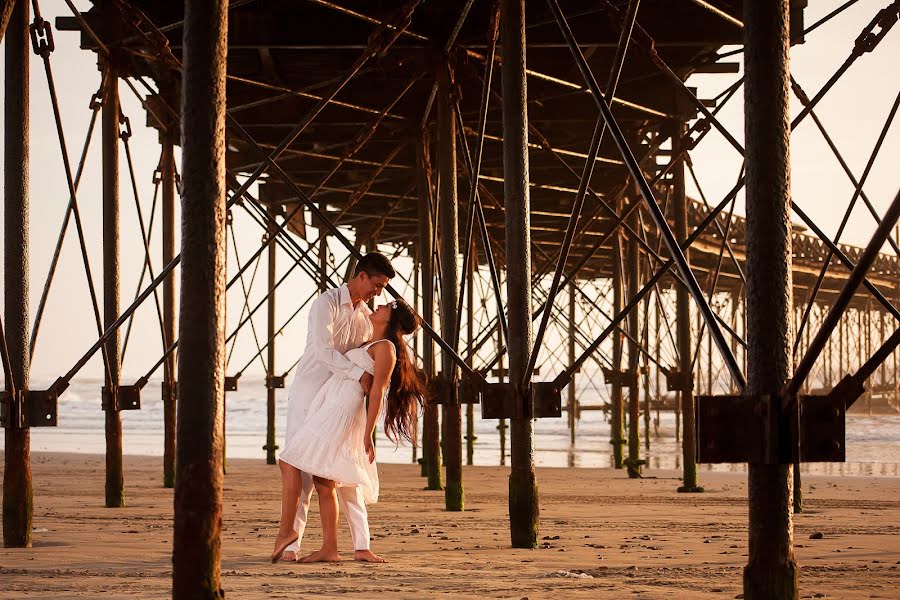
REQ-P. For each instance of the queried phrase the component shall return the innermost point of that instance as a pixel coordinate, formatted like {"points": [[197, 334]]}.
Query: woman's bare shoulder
{"points": [[383, 350]]}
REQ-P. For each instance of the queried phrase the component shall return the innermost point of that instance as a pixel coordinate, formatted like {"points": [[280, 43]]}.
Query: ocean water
{"points": [[873, 441]]}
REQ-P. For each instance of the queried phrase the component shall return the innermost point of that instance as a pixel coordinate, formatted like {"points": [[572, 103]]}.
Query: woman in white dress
{"points": [[334, 442]]}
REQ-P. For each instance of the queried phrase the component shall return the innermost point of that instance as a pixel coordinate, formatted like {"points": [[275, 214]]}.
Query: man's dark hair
{"points": [[374, 264]]}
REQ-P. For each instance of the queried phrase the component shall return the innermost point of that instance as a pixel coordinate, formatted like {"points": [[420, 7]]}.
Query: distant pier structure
{"points": [[529, 161]]}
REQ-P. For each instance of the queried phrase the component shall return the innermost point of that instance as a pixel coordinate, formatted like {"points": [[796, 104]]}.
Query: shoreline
{"points": [[602, 536]]}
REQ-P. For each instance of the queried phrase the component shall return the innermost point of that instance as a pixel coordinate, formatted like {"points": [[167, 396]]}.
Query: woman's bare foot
{"points": [[367, 556], [282, 541], [322, 555], [289, 556]]}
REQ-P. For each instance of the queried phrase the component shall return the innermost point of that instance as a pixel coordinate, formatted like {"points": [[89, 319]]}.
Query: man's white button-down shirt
{"points": [[335, 326]]}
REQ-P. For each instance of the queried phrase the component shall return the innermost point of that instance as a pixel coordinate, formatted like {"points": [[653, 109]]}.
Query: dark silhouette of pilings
{"points": [[17, 488], [201, 369], [771, 570]]}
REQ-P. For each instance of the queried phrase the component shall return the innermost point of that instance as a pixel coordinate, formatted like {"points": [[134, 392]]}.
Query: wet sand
{"points": [[603, 536]]}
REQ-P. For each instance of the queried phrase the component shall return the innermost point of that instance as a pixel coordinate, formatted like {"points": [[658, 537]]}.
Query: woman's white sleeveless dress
{"points": [[330, 442]]}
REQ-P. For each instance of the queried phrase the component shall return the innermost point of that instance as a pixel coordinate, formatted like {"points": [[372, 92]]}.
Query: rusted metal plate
{"points": [[469, 391], [502, 401], [275, 382], [625, 379], [231, 384], [730, 429], [547, 399], [129, 397], [822, 429], [439, 389], [32, 408], [679, 381]]}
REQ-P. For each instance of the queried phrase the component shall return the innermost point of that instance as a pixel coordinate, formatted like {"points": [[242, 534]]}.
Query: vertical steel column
{"points": [[771, 570], [431, 442], [115, 478], [572, 399], [470, 356], [632, 266], [168, 251], [645, 340], [18, 505], [683, 325], [271, 446], [448, 217], [616, 420], [201, 369], [866, 321], [523, 490], [501, 426]]}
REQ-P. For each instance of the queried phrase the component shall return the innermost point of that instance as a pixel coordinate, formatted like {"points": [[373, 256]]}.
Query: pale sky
{"points": [[853, 112]]}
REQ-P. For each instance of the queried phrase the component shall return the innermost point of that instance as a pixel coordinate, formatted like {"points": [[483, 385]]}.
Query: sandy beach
{"points": [[603, 536]]}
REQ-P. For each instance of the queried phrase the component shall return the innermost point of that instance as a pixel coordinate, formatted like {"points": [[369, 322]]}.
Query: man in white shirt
{"points": [[338, 321]]}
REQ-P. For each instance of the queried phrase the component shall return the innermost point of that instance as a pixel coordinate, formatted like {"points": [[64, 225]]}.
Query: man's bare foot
{"points": [[322, 555], [289, 556], [367, 556], [282, 541]]}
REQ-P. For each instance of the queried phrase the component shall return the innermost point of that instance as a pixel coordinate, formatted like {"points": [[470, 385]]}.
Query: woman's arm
{"points": [[385, 356]]}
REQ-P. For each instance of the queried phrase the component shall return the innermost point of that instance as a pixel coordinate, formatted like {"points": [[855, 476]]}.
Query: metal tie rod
{"points": [[843, 301], [652, 205]]}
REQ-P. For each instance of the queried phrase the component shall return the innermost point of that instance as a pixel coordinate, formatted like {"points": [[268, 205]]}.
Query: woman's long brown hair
{"points": [[407, 391]]}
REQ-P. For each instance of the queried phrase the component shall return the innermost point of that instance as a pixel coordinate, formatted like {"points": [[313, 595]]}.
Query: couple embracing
{"points": [[351, 353]]}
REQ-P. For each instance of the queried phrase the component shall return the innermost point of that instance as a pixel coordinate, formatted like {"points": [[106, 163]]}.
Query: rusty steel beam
{"points": [[198, 486], [771, 571], [169, 302], [524, 511], [115, 477], [18, 506], [448, 222]]}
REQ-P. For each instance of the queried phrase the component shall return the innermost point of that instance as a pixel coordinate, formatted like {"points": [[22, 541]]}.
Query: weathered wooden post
{"points": [[617, 418], [271, 445]]}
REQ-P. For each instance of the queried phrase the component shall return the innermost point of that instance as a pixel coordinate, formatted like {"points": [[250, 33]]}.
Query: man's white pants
{"points": [[352, 505]]}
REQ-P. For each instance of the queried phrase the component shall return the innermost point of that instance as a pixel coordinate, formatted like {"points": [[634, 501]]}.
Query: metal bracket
{"points": [[31, 408], [679, 381], [441, 390], [624, 378], [122, 397], [274, 382], [740, 429], [469, 391], [543, 399], [231, 383]]}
